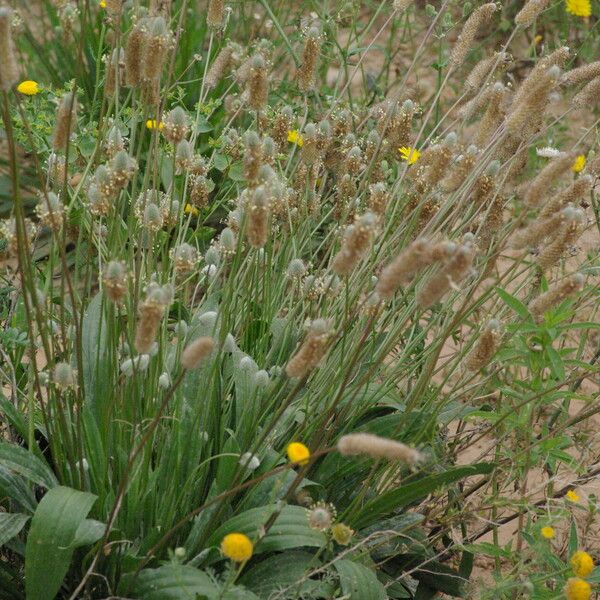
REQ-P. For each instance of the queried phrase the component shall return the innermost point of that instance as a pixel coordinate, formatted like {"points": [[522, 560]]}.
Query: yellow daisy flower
{"points": [[410, 155], [548, 532], [191, 209], [582, 563], [572, 496], [102, 3], [295, 138], [237, 547], [577, 589], [28, 87], [579, 164], [579, 8], [154, 124], [298, 453]]}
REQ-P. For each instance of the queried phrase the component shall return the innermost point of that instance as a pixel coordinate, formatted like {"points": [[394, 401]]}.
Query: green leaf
{"points": [[17, 489], [93, 342], [236, 172], [14, 417], [359, 582], [49, 544], [171, 582], [178, 582], [10, 525], [279, 571], [220, 162], [88, 533], [573, 541], [513, 303], [23, 462], [406, 494], [203, 125], [290, 530]]}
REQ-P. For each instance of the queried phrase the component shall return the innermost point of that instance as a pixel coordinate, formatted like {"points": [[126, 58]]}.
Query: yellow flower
{"points": [[572, 496], [298, 453], [582, 563], [538, 39], [579, 164], [548, 532], [190, 209], [102, 3], [237, 547], [154, 124], [577, 589], [410, 155], [342, 534], [29, 88], [295, 138], [579, 8]]}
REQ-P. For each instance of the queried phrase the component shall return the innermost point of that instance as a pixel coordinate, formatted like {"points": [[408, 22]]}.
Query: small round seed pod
{"points": [[296, 270], [114, 279], [199, 190], [184, 156], [9, 70], [114, 141], [64, 376], [122, 168], [227, 242], [51, 211], [152, 219], [98, 203], [176, 125], [321, 516], [185, 258], [196, 352]]}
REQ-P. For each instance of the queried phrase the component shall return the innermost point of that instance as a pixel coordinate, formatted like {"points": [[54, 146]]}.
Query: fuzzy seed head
{"points": [[9, 70], [196, 352], [374, 446]]}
